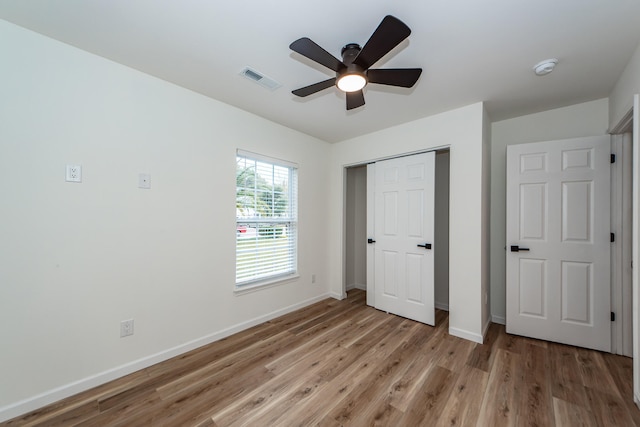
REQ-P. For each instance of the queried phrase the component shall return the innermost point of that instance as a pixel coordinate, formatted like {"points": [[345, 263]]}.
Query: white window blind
{"points": [[266, 219]]}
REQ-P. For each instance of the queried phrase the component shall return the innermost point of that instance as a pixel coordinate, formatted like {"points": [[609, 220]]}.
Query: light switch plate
{"points": [[126, 328]]}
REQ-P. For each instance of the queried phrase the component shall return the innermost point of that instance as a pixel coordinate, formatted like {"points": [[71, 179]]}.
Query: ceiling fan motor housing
{"points": [[349, 54]]}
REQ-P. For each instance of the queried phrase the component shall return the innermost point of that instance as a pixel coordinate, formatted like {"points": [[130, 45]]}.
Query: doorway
{"points": [[559, 241], [355, 244], [356, 229], [619, 242]]}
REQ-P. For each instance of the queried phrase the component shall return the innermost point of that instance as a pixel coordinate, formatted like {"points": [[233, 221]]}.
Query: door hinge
{"points": [[613, 237], [613, 158], [613, 316]]}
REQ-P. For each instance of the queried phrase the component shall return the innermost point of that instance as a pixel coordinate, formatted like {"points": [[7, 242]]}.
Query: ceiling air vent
{"points": [[260, 78]]}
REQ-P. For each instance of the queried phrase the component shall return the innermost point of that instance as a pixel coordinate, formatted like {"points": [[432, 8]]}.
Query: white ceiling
{"points": [[469, 50]]}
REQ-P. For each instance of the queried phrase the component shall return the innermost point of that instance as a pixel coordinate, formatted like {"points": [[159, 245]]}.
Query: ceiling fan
{"points": [[353, 73]]}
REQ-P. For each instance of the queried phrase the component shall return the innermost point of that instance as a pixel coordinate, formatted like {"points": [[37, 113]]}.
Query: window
{"points": [[266, 219]]}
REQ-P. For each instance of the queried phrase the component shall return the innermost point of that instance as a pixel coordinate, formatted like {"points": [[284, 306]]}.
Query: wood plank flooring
{"points": [[341, 363]]}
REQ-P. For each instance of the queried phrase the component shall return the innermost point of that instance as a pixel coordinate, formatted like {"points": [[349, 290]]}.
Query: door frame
{"points": [[631, 121], [370, 292], [621, 225], [635, 259]]}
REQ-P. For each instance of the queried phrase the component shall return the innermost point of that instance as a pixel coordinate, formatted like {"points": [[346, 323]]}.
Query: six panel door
{"points": [[558, 241], [403, 225]]}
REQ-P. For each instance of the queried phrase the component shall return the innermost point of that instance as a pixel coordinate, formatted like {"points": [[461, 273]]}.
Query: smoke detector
{"points": [[543, 68]]}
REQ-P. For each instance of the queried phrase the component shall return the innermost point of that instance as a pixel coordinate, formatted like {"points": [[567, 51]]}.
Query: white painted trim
{"points": [[485, 328], [268, 159], [616, 247], [624, 125], [626, 238], [470, 336], [22, 407], [266, 284], [498, 319], [337, 296], [636, 244], [441, 306], [371, 270], [621, 199], [395, 156], [357, 286]]}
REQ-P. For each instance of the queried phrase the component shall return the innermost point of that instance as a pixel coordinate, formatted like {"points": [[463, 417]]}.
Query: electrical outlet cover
{"points": [[74, 173]]}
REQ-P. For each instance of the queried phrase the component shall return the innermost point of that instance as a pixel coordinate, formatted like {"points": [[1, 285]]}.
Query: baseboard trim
{"points": [[337, 296], [356, 286], [441, 306], [27, 405], [485, 328], [470, 336], [498, 319]]}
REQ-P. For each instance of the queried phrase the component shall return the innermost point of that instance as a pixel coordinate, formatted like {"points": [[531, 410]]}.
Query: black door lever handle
{"points": [[516, 248], [426, 246], [370, 241]]}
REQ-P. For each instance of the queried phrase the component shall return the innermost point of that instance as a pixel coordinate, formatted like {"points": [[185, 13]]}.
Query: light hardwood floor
{"points": [[341, 363]]}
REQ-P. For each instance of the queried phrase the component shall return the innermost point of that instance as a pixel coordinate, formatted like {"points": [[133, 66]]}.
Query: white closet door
{"points": [[403, 221]]}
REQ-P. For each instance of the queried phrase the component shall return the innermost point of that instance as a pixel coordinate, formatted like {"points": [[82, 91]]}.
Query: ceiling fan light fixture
{"points": [[351, 82], [354, 71]]}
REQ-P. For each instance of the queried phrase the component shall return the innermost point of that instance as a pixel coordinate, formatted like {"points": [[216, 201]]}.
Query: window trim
{"points": [[266, 159], [265, 284], [292, 221]]}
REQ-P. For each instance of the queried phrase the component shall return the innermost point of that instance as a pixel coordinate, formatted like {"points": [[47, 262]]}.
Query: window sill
{"points": [[270, 283]]}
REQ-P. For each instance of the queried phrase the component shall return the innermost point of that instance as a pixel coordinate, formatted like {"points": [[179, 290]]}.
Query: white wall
{"points": [[441, 232], [586, 119], [462, 131], [356, 228], [76, 259], [621, 97]]}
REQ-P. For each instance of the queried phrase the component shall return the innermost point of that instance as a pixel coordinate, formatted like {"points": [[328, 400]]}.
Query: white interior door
{"points": [[558, 241], [402, 220]]}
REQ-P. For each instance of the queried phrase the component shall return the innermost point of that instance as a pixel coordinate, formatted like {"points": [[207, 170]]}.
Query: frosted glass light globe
{"points": [[351, 82]]}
